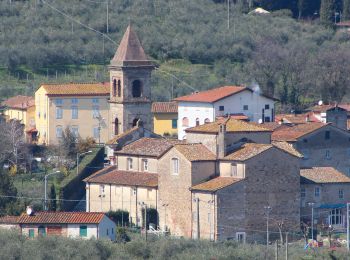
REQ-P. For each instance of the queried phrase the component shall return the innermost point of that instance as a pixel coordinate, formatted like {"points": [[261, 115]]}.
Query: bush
{"points": [[120, 217]]}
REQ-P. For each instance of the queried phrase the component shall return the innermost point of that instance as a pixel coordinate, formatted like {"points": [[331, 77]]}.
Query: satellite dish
{"points": [[29, 211], [260, 121], [320, 103]]}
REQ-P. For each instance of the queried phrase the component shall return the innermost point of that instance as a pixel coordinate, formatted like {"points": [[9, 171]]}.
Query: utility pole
{"points": [[347, 226], [228, 14], [312, 221], [107, 29], [276, 250], [287, 246], [267, 208], [145, 221]]}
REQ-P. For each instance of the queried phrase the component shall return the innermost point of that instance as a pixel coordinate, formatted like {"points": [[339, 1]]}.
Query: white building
{"points": [[204, 107]]}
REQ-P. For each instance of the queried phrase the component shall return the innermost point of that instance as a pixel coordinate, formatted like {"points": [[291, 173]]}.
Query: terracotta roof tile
{"points": [[232, 125], [212, 95], [324, 108], [61, 218], [195, 152], [296, 118], [215, 184], [293, 133], [247, 151], [269, 125], [287, 148], [71, 89], [164, 107], [146, 146], [19, 102], [322, 175], [9, 220], [127, 178], [115, 139]]}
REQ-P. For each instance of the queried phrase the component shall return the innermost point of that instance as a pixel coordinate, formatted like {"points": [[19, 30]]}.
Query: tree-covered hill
{"points": [[297, 61]]}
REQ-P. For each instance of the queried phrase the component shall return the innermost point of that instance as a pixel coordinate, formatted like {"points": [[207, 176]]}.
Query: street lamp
{"points": [[311, 204], [47, 175], [78, 156], [268, 209], [144, 205]]}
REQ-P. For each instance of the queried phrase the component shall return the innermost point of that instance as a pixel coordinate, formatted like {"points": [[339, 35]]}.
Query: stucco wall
{"points": [[163, 123], [137, 163]]}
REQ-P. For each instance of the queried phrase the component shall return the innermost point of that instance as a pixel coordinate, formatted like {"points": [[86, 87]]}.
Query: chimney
{"points": [[222, 141]]}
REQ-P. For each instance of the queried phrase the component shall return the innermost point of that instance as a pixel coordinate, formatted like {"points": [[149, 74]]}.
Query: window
{"points": [[129, 163], [197, 121], [95, 101], [136, 88], [102, 190], [96, 132], [233, 169], [135, 121], [114, 87], [74, 101], [267, 119], [174, 123], [240, 237], [335, 217], [341, 194], [305, 140], [41, 231], [116, 126], [59, 102], [328, 154], [107, 232], [206, 121], [75, 131], [31, 233], [59, 113], [95, 111], [175, 166], [83, 231], [74, 112], [267, 106], [119, 89], [221, 108], [317, 192], [327, 135], [145, 165], [245, 107], [59, 131], [302, 192], [185, 121], [112, 231], [306, 154]]}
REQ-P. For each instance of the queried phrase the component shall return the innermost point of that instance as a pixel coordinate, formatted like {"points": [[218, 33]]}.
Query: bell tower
{"points": [[130, 85]]}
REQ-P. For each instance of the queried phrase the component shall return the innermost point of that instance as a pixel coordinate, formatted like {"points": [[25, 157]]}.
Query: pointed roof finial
{"points": [[130, 50]]}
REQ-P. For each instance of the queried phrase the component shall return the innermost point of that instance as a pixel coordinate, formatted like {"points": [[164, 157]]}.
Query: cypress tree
{"points": [[346, 10], [53, 204], [327, 12]]}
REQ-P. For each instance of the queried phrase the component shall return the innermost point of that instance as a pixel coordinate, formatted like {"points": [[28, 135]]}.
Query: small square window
{"points": [[267, 106], [328, 154], [129, 161], [83, 231], [302, 192], [221, 108], [74, 101], [327, 135], [341, 194], [317, 192], [305, 140], [59, 101], [245, 107], [95, 100], [145, 165], [174, 123]]}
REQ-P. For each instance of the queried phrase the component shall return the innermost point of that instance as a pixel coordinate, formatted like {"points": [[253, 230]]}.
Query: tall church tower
{"points": [[130, 81]]}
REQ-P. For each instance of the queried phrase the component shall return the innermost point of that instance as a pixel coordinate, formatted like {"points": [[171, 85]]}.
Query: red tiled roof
{"points": [[9, 220], [19, 102], [212, 95], [324, 108], [61, 218], [215, 184], [293, 133], [322, 175], [77, 89], [147, 146], [127, 178], [164, 107], [195, 152], [296, 118]]}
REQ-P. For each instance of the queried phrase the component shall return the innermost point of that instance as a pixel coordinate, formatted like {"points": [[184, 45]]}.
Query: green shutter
{"points": [[174, 123], [83, 231], [42, 231], [31, 233]]}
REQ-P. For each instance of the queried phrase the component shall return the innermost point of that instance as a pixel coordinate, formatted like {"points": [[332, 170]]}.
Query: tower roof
{"points": [[130, 51]]}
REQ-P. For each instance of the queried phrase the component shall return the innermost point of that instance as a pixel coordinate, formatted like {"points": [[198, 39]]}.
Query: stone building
{"points": [[130, 81], [322, 145], [327, 191]]}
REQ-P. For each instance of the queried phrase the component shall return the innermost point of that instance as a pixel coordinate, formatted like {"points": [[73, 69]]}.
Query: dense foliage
{"points": [[189, 39]]}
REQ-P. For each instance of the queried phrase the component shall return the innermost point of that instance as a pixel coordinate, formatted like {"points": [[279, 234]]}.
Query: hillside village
{"points": [[217, 164]]}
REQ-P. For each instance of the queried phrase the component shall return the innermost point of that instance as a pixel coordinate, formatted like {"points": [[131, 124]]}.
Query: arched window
{"points": [[114, 87], [119, 89], [116, 126], [197, 121], [206, 121], [134, 122], [136, 88], [185, 121]]}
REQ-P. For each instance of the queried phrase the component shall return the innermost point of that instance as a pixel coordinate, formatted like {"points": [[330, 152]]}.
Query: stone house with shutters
{"points": [[327, 191]]}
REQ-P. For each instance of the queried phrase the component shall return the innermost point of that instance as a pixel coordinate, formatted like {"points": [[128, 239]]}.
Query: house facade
{"points": [[327, 191], [83, 225], [204, 107], [165, 118], [83, 107]]}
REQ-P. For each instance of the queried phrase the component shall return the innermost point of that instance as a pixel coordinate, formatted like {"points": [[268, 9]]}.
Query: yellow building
{"points": [[165, 118], [22, 108], [83, 107]]}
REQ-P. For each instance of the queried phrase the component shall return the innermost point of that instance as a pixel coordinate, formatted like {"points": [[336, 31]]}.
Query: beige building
{"points": [[83, 107]]}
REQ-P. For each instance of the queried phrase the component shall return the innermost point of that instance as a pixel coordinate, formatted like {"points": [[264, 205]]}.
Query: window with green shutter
{"points": [[174, 123], [31, 233], [42, 231], [83, 231]]}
